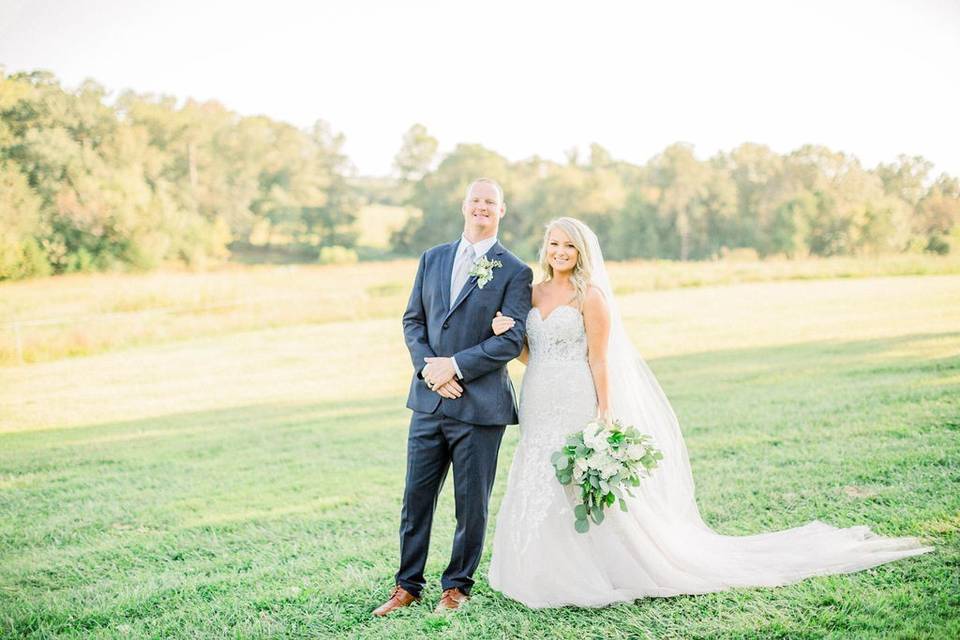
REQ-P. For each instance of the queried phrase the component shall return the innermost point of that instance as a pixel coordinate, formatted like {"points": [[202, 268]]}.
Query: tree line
{"points": [[87, 185], [812, 201], [139, 181]]}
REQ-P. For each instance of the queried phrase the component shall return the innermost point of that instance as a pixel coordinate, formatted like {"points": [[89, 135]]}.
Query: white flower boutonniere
{"points": [[483, 269]]}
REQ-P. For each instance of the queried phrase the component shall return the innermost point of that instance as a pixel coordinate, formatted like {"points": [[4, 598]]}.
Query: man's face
{"points": [[482, 210]]}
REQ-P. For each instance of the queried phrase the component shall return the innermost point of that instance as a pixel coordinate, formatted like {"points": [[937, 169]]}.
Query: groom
{"points": [[461, 395]]}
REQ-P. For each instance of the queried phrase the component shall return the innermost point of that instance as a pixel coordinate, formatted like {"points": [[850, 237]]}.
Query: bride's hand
{"points": [[502, 324], [603, 416]]}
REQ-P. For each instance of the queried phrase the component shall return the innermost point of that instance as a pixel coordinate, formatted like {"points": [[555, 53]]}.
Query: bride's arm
{"points": [[596, 320], [524, 356]]}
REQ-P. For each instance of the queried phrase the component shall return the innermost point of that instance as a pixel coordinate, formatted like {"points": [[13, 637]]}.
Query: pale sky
{"points": [[874, 78]]}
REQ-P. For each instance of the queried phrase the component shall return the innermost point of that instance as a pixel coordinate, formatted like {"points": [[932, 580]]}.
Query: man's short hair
{"points": [[496, 185]]}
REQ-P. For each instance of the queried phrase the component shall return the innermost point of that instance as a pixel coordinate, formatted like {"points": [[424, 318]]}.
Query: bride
{"points": [[580, 366]]}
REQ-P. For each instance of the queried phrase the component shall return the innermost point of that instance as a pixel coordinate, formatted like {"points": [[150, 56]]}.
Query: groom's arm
{"points": [[415, 323], [496, 351]]}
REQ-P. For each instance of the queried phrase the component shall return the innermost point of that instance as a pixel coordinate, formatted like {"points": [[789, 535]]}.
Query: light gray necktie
{"points": [[461, 270]]}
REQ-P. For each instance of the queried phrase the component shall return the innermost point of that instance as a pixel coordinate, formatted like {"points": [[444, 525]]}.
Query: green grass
{"points": [[248, 485], [84, 314]]}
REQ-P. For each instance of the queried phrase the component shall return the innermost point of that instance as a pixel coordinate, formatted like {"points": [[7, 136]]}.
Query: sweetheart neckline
{"points": [[550, 315]]}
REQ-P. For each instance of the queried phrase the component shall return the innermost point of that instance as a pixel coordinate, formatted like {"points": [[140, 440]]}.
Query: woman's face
{"points": [[561, 253]]}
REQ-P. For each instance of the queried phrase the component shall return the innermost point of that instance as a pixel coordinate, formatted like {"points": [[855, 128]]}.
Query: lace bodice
{"points": [[560, 337], [556, 399]]}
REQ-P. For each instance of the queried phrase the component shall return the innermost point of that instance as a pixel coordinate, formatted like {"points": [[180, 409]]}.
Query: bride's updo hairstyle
{"points": [[581, 276]]}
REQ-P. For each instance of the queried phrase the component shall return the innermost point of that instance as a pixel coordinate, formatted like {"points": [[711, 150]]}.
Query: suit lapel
{"points": [[471, 284], [446, 272]]}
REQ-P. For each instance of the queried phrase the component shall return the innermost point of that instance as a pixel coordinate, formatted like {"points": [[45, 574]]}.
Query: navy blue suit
{"points": [[465, 431]]}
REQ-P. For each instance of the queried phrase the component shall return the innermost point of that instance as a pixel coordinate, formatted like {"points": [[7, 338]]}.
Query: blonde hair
{"points": [[490, 181], [582, 271]]}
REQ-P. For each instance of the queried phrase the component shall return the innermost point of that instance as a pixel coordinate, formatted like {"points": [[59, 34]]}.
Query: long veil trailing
{"points": [[666, 512]]}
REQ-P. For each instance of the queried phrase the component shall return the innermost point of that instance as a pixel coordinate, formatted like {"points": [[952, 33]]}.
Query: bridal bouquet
{"points": [[604, 460]]}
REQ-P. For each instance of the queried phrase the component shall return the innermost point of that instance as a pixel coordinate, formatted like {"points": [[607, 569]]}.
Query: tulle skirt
{"points": [[656, 549]]}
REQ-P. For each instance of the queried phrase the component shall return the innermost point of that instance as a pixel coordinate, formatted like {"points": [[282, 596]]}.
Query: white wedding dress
{"points": [[661, 546]]}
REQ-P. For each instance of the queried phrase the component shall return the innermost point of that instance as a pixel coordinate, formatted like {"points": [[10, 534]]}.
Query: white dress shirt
{"points": [[463, 260]]}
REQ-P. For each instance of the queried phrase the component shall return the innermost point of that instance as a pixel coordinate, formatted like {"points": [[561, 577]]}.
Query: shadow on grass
{"points": [[836, 355], [243, 417]]}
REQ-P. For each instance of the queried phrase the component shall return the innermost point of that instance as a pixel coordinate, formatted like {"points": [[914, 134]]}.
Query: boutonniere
{"points": [[483, 269]]}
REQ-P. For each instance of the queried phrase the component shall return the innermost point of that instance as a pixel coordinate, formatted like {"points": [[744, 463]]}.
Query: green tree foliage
{"points": [[439, 195], [21, 255], [938, 216], [87, 184], [812, 201], [416, 154]]}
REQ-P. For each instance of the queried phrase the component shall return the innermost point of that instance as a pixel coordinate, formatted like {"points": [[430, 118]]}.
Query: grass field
{"points": [[246, 482], [84, 314]]}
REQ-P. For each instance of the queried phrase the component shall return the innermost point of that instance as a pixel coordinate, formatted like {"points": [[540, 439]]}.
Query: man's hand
{"points": [[438, 372], [450, 390]]}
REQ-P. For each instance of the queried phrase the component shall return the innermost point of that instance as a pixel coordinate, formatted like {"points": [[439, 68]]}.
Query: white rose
{"points": [[635, 451], [602, 444], [610, 470], [599, 461], [591, 436]]}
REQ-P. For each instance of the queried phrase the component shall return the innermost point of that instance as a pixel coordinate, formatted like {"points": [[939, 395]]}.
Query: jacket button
{"points": [[446, 325]]}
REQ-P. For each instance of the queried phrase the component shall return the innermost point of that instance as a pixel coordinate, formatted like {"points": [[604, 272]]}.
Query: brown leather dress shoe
{"points": [[451, 600], [399, 598]]}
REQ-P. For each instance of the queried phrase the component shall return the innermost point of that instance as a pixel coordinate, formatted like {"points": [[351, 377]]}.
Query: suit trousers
{"points": [[435, 442]]}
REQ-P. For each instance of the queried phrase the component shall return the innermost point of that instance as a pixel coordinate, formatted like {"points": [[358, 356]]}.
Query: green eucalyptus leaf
{"points": [[597, 514]]}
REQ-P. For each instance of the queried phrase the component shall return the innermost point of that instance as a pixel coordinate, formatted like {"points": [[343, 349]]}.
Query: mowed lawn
{"points": [[248, 485]]}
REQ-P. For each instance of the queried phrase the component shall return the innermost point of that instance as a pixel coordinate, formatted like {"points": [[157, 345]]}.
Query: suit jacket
{"points": [[433, 325]]}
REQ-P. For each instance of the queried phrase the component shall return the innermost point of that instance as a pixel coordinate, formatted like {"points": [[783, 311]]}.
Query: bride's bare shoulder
{"points": [[596, 293], [595, 301], [536, 291]]}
